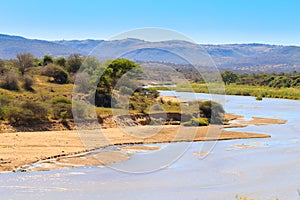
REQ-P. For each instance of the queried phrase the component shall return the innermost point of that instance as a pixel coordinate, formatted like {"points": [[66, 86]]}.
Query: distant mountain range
{"points": [[238, 57]]}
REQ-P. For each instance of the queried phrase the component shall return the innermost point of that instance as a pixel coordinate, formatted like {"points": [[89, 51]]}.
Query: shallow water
{"points": [[258, 168]]}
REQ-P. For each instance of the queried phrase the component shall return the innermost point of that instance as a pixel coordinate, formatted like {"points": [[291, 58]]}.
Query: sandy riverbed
{"points": [[23, 148]]}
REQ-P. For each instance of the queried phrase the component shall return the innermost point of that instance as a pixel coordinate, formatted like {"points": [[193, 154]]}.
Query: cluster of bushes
{"points": [[21, 69], [112, 81], [22, 112], [273, 80], [210, 113]]}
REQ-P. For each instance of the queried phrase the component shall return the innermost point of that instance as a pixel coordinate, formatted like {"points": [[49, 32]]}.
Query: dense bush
{"points": [[61, 61], [74, 63], [58, 74], [26, 113], [4, 101], [213, 111], [61, 108], [28, 82], [10, 81], [47, 60]]}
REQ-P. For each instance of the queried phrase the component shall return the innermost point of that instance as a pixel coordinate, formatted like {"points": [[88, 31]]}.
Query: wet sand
{"points": [[24, 148], [257, 121]]}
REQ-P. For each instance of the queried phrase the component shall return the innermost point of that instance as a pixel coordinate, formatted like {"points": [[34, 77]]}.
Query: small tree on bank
{"points": [[229, 77]]}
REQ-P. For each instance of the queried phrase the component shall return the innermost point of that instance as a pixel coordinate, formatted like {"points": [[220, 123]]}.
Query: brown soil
{"points": [[24, 148]]}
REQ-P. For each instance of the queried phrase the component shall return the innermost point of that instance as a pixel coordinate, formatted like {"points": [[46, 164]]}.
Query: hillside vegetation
{"points": [[38, 92]]}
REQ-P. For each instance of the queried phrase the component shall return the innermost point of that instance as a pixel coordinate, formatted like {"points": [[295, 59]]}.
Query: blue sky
{"points": [[205, 21]]}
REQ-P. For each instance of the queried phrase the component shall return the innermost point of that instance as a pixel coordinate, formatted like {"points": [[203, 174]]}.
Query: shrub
{"points": [[4, 101], [26, 113], [47, 60], [58, 74], [10, 81], [61, 108], [197, 122], [2, 67], [61, 61], [28, 82], [74, 63], [213, 111], [259, 98]]}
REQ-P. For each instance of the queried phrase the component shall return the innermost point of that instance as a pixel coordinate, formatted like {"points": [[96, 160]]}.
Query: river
{"points": [[266, 169]]}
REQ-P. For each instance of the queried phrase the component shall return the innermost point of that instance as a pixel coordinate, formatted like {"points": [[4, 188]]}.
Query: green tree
{"points": [[74, 63], [112, 73], [229, 77]]}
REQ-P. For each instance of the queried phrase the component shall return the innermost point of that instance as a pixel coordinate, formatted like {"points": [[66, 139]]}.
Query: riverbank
{"points": [[241, 90], [24, 148]]}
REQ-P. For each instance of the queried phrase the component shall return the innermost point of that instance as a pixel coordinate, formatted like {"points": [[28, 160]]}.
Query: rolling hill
{"points": [[238, 57]]}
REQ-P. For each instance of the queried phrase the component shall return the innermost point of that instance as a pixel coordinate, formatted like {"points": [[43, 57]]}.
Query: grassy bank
{"points": [[243, 90]]}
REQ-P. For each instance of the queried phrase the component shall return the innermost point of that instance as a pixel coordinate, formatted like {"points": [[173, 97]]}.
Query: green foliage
{"points": [[229, 77], [249, 90], [61, 61], [61, 99], [273, 80], [61, 108], [110, 77], [47, 60], [10, 81], [25, 113], [103, 98], [4, 101], [197, 122], [259, 98], [212, 110], [58, 74], [74, 63]]}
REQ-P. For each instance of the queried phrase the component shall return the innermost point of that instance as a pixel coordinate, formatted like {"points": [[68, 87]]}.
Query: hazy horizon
{"points": [[105, 39]]}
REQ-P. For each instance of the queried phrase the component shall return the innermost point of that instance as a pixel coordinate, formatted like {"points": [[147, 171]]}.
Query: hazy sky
{"points": [[205, 21]]}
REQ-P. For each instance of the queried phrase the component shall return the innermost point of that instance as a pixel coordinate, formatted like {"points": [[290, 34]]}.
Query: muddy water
{"points": [[258, 168]]}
